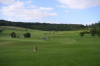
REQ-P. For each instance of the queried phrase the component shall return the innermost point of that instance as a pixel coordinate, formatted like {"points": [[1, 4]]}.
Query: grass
{"points": [[66, 48]]}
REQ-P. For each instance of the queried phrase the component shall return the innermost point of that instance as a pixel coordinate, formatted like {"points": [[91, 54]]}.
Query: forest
{"points": [[47, 26]]}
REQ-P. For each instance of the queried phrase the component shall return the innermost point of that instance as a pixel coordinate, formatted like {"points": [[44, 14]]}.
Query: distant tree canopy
{"points": [[27, 35], [13, 35], [95, 25], [42, 26]]}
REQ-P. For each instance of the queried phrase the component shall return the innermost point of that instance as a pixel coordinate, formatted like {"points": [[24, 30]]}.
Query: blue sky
{"points": [[51, 11]]}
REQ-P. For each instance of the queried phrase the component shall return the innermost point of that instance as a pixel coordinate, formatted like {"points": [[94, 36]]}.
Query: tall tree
{"points": [[93, 32], [98, 32]]}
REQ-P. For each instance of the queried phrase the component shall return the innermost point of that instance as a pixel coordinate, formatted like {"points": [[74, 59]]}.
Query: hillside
{"points": [[66, 48], [42, 26]]}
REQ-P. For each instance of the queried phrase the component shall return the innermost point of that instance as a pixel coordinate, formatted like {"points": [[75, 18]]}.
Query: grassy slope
{"points": [[66, 49]]}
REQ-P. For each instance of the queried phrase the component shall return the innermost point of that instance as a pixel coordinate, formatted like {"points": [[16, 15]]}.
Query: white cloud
{"points": [[66, 11], [89, 23], [29, 1], [17, 9], [51, 22], [7, 1], [32, 6], [48, 8], [62, 6], [0, 10], [10, 19], [80, 4]]}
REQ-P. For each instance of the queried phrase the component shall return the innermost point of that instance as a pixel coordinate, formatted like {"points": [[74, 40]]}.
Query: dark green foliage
{"points": [[45, 33], [93, 32], [42, 26], [86, 32], [95, 25], [13, 35], [81, 34], [1, 30], [98, 32], [49, 33], [27, 35]]}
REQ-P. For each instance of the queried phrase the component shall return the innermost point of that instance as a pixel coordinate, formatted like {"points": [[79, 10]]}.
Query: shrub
{"points": [[27, 35], [13, 35], [81, 34]]}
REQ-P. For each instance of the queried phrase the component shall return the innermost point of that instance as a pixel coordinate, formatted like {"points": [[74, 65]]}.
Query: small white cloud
{"points": [[52, 22], [7, 1], [48, 8], [66, 11], [89, 23], [80, 4], [17, 9], [29, 1], [62, 6], [32, 6], [10, 19], [0, 10]]}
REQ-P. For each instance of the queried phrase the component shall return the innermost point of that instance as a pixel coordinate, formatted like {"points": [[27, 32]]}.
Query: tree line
{"points": [[42, 26], [93, 32]]}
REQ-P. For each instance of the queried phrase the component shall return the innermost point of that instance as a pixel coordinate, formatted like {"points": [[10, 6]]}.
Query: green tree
{"points": [[27, 35], [13, 35], [93, 32], [98, 32], [81, 34]]}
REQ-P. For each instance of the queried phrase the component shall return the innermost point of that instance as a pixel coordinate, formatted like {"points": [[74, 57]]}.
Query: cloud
{"points": [[10, 19], [32, 6], [17, 9], [89, 23], [62, 6], [29, 1], [51, 22], [66, 11], [80, 4], [48, 8], [7, 1]]}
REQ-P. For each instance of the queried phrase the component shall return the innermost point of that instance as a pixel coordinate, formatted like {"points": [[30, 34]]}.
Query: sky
{"points": [[51, 11]]}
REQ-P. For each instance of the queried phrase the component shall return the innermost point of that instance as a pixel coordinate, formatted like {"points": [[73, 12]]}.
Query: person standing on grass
{"points": [[51, 37], [40, 37], [19, 37], [10, 37]]}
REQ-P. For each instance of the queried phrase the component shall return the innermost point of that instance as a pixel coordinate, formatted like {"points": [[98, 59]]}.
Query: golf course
{"points": [[66, 48]]}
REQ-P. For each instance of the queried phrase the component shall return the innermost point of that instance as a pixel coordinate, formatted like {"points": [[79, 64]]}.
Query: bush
{"points": [[13, 35], [1, 30], [81, 34], [27, 35]]}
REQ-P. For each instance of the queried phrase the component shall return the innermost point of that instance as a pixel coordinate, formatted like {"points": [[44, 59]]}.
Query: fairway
{"points": [[66, 48]]}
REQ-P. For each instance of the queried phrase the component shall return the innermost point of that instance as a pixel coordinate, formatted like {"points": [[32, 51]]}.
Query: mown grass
{"points": [[66, 48]]}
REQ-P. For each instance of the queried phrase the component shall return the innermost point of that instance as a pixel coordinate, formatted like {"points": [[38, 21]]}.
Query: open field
{"points": [[66, 48]]}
